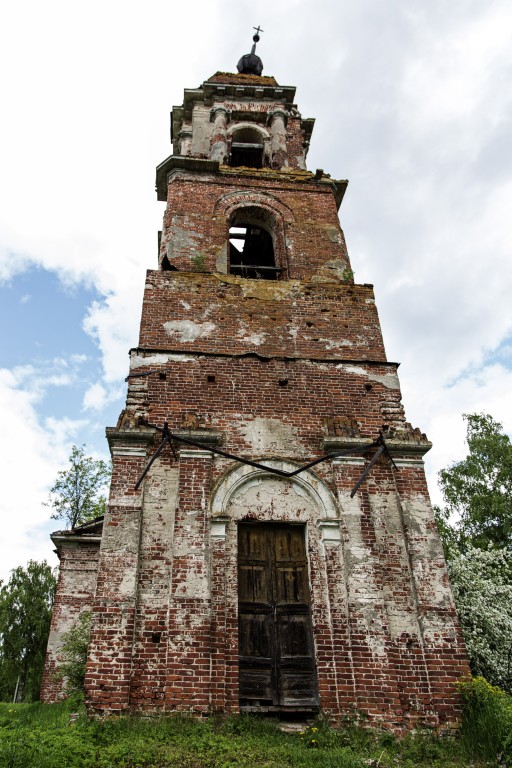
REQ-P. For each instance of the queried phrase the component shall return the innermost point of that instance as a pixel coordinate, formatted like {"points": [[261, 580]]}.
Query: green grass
{"points": [[44, 736]]}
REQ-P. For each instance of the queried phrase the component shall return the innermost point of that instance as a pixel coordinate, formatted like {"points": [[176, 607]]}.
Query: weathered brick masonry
{"points": [[221, 585], [78, 570]]}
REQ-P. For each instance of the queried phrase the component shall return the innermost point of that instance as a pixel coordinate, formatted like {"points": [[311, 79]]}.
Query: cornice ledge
{"points": [[203, 436], [59, 539], [284, 174], [184, 163], [139, 436], [331, 443]]}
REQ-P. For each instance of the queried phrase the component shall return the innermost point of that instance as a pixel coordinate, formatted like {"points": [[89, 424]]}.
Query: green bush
{"points": [[74, 651], [487, 720]]}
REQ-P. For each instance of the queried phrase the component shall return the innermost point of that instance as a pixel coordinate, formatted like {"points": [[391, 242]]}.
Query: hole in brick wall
{"points": [[368, 387], [210, 379], [283, 382], [309, 324], [155, 637], [324, 309], [167, 266], [162, 375]]}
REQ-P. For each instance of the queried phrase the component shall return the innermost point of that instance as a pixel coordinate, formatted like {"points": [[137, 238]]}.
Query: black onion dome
{"points": [[250, 64]]}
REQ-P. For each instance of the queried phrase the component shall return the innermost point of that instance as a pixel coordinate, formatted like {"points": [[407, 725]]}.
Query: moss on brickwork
{"points": [[232, 78]]}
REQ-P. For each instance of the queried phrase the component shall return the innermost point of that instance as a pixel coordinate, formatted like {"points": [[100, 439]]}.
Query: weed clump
{"points": [[487, 720]]}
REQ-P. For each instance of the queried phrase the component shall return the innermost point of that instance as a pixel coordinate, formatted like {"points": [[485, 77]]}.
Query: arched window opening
{"points": [[251, 246], [247, 148]]}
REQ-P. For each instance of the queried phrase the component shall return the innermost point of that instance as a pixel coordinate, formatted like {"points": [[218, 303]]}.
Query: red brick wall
{"points": [[75, 594], [198, 209], [228, 315]]}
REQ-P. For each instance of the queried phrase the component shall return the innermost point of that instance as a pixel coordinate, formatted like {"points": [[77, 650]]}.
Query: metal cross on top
{"points": [[258, 30]]}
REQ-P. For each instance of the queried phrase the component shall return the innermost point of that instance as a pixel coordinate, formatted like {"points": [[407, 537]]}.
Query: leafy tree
{"points": [[76, 495], [476, 529], [25, 611], [478, 490]]}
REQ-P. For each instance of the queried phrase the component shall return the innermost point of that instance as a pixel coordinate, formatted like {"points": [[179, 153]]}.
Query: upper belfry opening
{"points": [[237, 120]]}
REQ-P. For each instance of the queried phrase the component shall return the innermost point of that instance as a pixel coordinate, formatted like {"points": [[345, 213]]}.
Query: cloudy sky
{"points": [[413, 105]]}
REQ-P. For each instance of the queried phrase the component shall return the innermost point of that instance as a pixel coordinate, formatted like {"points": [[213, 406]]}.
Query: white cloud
{"points": [[486, 390], [454, 82], [97, 396], [31, 453]]}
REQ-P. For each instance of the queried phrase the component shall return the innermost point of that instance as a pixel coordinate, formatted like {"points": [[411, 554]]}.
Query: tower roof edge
{"points": [[238, 78]]}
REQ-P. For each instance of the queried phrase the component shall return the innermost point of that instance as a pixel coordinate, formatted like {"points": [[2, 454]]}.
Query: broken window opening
{"points": [[248, 155], [247, 149], [251, 253]]}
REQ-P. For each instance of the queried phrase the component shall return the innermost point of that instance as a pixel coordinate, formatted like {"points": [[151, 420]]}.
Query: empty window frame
{"points": [[252, 239], [247, 148]]}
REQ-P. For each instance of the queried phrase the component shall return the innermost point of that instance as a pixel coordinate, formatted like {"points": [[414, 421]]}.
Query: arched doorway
{"points": [[275, 584]]}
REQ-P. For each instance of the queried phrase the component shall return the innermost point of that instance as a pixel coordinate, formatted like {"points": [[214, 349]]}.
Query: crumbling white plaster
{"points": [[139, 361], [187, 330], [305, 486], [253, 338], [268, 435], [195, 583], [331, 344], [426, 553], [389, 380]]}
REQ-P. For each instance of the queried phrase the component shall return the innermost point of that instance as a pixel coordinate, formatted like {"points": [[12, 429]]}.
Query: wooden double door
{"points": [[276, 652]]}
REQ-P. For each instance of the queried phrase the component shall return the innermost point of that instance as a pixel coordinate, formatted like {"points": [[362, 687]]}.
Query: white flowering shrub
{"points": [[482, 586]]}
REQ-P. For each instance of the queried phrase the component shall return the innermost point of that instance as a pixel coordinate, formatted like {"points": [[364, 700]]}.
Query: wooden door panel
{"points": [[256, 686], [295, 637], [276, 655], [289, 544], [253, 584], [297, 689], [291, 586], [255, 637], [252, 543]]}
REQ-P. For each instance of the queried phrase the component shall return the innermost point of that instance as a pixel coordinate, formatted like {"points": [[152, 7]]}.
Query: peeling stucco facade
{"points": [[279, 372]]}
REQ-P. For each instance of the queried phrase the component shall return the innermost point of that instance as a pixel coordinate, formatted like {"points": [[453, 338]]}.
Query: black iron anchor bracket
{"points": [[168, 437]]}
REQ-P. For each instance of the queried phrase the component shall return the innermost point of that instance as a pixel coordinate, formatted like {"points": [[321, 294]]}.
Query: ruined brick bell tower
{"points": [[258, 565]]}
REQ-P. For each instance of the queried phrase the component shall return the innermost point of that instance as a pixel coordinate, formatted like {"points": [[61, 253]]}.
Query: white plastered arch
{"points": [[306, 483], [238, 126]]}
